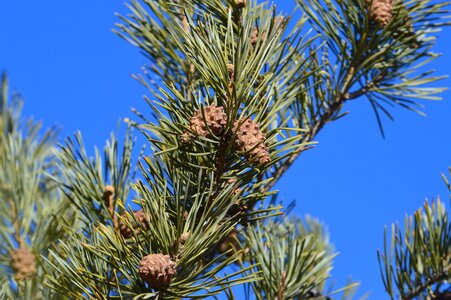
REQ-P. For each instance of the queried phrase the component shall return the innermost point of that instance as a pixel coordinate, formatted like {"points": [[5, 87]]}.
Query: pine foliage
{"points": [[416, 260], [27, 162], [237, 91]]}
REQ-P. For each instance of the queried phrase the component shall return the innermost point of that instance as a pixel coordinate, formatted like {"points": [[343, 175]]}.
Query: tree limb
{"points": [[332, 110]]}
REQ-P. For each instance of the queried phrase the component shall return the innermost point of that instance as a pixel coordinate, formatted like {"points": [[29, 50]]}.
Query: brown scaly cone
{"points": [[250, 139], [23, 263], [157, 270], [380, 11], [140, 217], [214, 123]]}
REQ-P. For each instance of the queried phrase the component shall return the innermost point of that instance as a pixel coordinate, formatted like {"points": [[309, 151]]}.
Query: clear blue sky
{"points": [[74, 72]]}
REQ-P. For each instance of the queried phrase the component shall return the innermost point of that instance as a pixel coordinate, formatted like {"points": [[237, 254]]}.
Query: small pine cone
{"points": [[231, 71], [157, 270], [381, 11], [184, 237], [181, 243], [254, 37], [108, 194], [23, 263], [240, 3], [249, 139], [215, 121], [186, 138], [140, 217]]}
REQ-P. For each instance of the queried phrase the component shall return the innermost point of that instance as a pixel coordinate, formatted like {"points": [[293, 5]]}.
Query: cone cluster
{"points": [[23, 263], [157, 270], [250, 139], [141, 220], [381, 11]]}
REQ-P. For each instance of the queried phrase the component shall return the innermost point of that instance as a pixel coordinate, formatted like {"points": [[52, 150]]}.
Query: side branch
{"points": [[319, 123], [421, 288]]}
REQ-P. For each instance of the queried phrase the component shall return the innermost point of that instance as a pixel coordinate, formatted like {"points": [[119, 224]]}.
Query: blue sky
{"points": [[75, 73]]}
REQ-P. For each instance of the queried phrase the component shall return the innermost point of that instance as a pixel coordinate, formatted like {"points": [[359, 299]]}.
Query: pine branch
{"points": [[29, 202], [353, 50], [294, 257], [327, 116], [308, 137], [416, 260], [421, 288], [198, 174]]}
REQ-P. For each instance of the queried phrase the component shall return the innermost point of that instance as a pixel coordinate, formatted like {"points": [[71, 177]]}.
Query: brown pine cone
{"points": [[381, 11], [140, 217], [250, 139], [23, 263], [214, 122], [157, 270]]}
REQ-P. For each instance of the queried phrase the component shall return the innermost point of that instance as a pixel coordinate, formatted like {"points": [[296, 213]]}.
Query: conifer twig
{"points": [[319, 124], [281, 286], [422, 287]]}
